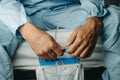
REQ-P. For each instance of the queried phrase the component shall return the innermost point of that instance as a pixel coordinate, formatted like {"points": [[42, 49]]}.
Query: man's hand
{"points": [[41, 42], [83, 40]]}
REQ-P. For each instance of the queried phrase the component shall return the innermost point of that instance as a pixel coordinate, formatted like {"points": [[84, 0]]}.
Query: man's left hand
{"points": [[83, 40]]}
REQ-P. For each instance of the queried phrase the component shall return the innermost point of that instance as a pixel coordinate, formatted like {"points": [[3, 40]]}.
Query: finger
{"points": [[52, 55], [74, 46], [79, 50], [42, 57], [71, 38], [90, 51], [87, 52], [46, 57], [58, 49], [84, 53]]}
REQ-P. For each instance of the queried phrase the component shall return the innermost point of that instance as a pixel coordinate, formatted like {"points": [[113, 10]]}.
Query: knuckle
{"points": [[46, 50], [40, 53], [78, 41], [51, 44]]}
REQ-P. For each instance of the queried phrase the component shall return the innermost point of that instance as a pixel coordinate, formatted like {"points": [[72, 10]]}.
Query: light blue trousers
{"points": [[110, 36]]}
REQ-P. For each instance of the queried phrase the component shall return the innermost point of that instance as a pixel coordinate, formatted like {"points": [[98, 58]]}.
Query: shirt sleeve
{"points": [[94, 7], [12, 14]]}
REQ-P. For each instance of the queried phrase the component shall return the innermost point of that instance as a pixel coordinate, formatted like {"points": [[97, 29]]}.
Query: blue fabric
{"points": [[111, 43], [8, 45], [50, 14], [15, 13]]}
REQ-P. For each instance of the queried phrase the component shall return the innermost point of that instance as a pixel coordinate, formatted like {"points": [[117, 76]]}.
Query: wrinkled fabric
{"points": [[15, 13], [111, 44], [8, 45]]}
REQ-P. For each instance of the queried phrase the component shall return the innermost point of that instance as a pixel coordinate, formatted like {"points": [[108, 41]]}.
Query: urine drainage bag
{"points": [[65, 68]]}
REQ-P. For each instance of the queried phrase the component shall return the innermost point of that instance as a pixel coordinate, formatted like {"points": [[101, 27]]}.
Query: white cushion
{"points": [[25, 57]]}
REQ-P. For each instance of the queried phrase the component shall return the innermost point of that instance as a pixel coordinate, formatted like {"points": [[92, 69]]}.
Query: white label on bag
{"points": [[59, 72]]}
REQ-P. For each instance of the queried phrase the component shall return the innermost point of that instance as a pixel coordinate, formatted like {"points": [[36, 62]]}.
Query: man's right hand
{"points": [[42, 43]]}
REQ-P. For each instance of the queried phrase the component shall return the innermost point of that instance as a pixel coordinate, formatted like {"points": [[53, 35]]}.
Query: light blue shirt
{"points": [[15, 13]]}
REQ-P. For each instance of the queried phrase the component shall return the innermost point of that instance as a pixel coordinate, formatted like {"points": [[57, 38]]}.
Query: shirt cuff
{"points": [[17, 33], [93, 10]]}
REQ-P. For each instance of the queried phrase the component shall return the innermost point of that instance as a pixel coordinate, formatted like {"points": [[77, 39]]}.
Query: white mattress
{"points": [[25, 57]]}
